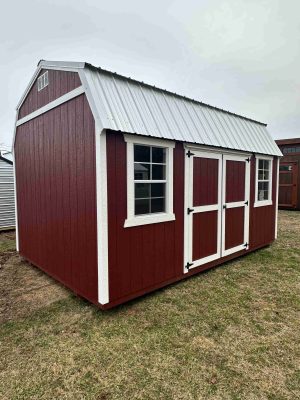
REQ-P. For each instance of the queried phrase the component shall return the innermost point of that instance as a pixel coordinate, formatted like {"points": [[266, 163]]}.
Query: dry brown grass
{"points": [[23, 288], [231, 333]]}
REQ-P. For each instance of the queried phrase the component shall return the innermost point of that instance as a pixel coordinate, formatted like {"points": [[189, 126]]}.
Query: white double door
{"points": [[216, 205]]}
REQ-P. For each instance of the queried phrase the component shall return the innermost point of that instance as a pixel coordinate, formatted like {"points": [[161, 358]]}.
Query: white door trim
{"points": [[218, 150]]}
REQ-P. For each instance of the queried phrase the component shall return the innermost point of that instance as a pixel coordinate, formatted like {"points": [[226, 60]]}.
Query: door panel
{"points": [[288, 178], [205, 241], [235, 181], [205, 181], [234, 232], [235, 218]]}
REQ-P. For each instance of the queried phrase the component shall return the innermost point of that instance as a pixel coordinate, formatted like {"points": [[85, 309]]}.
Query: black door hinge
{"points": [[246, 202], [224, 206], [188, 265], [246, 245], [189, 153], [190, 210], [248, 159]]}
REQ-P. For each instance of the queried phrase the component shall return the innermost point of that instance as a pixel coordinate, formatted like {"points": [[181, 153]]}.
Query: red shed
{"points": [[123, 188], [289, 174]]}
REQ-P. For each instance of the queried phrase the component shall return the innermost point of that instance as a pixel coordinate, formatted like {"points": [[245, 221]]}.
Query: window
{"points": [[149, 180], [288, 150], [263, 190], [285, 168], [43, 81]]}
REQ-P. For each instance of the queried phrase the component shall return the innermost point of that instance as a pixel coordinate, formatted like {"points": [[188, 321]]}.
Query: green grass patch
{"points": [[7, 243], [230, 333]]}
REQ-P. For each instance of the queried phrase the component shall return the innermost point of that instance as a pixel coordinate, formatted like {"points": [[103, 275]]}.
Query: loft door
{"points": [[203, 201], [288, 178], [235, 204]]}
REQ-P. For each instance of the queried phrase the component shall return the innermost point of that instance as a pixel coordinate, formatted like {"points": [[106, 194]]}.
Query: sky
{"points": [[240, 55]]}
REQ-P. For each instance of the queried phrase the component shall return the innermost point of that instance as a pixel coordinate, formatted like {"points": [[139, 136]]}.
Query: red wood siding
{"points": [[55, 173], [60, 83], [144, 258]]}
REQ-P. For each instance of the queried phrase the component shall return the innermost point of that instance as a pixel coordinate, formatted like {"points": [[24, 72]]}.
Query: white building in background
{"points": [[7, 199]]}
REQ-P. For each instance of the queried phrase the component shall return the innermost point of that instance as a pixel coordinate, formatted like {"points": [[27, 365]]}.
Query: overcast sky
{"points": [[241, 55]]}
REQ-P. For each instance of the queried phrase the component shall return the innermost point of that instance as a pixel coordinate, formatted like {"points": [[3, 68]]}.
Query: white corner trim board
{"points": [[15, 189], [269, 201], [102, 222], [101, 196], [55, 103], [168, 215], [277, 193]]}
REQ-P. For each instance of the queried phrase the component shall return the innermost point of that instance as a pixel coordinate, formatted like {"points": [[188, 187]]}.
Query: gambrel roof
{"points": [[127, 105]]}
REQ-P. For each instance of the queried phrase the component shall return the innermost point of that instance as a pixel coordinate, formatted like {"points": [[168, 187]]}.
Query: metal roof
{"points": [[131, 106], [135, 107]]}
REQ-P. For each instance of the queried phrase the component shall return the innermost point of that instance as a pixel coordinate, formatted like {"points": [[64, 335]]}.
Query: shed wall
{"points": [[56, 196], [146, 257], [60, 83], [7, 201]]}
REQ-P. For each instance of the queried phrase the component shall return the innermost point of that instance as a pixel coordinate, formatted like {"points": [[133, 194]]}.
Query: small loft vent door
{"points": [[217, 206]]}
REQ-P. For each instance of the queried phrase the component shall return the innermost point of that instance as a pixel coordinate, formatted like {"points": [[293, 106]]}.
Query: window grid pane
{"points": [[149, 179], [263, 179]]}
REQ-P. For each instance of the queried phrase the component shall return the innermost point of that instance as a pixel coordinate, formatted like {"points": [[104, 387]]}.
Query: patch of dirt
{"points": [[23, 287]]}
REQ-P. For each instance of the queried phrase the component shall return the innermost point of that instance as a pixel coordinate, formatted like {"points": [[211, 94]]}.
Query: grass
{"points": [[230, 333]]}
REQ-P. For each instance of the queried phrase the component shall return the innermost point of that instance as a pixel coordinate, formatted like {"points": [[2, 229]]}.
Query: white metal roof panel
{"points": [[134, 107]]}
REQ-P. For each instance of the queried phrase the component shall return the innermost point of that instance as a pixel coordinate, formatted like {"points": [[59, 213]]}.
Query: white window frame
{"points": [[168, 215], [43, 81], [269, 201]]}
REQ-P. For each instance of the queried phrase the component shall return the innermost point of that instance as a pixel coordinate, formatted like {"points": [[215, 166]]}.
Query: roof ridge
{"points": [[93, 67]]}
